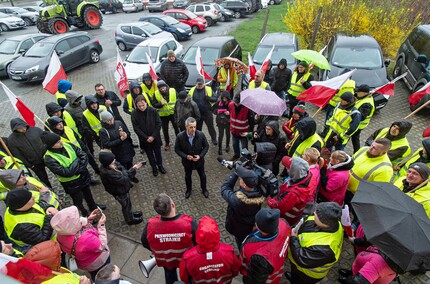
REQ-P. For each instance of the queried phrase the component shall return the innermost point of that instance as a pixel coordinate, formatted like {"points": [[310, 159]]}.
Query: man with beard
{"points": [[420, 155]]}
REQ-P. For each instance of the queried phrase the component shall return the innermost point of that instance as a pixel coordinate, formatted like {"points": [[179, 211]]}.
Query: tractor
{"points": [[57, 16]]}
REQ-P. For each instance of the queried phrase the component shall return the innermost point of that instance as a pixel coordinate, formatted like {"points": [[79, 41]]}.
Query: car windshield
{"points": [[40, 49], [190, 14], [20, 10], [359, 57], [208, 55], [170, 21], [278, 53], [152, 29], [8, 46], [138, 55]]}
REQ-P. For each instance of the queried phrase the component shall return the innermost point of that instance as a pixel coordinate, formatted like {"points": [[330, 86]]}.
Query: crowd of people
{"points": [[300, 223]]}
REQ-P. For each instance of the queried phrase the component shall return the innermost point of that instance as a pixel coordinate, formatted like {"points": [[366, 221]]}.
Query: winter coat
{"points": [[110, 139], [26, 146], [63, 87], [147, 123], [75, 110], [184, 109], [221, 107], [305, 128], [117, 182], [52, 108], [199, 147], [242, 207], [277, 139], [281, 77], [334, 181], [270, 74], [113, 108], [175, 73]]}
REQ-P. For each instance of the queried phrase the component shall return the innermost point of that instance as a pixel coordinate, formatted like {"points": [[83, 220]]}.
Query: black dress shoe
{"points": [[162, 170], [215, 142], [227, 149], [137, 214], [102, 206], [155, 172], [187, 194], [205, 193], [345, 272], [135, 221], [135, 180]]}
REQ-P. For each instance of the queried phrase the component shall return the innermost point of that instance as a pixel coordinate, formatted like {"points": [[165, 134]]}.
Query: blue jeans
{"points": [[243, 144]]}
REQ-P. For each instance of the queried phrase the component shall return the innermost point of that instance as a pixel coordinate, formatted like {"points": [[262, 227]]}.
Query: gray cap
{"points": [[105, 116]]}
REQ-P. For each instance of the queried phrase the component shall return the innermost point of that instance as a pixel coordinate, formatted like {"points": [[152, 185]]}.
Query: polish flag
{"points": [[265, 65], [388, 89], [321, 92], [55, 73], [151, 67], [120, 76], [24, 270], [418, 95], [18, 105], [200, 67], [252, 69]]}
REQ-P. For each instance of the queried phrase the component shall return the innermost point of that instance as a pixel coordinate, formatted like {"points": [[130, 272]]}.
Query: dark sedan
{"points": [[179, 30]]}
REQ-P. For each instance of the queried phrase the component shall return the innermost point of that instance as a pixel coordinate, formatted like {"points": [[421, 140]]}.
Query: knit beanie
{"points": [[161, 83], [49, 139], [299, 168], [267, 220], [422, 169], [362, 88], [17, 198], [171, 53], [106, 158], [105, 115], [329, 213], [304, 64], [182, 95], [249, 177], [300, 110], [348, 97]]}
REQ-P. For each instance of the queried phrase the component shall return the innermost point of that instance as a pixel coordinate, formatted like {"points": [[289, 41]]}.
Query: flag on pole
{"points": [[388, 89], [200, 67], [227, 83], [252, 69], [265, 65], [151, 67], [321, 92], [418, 95], [55, 73], [120, 76], [18, 105]]}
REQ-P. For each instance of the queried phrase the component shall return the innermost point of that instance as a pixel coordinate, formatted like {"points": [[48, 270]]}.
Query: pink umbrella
{"points": [[263, 102]]}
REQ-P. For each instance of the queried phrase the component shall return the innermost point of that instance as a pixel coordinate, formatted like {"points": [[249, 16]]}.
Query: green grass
{"points": [[248, 34]]}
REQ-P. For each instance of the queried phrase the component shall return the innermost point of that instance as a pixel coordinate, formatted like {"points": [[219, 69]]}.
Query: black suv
{"points": [[110, 6], [239, 8], [413, 58]]}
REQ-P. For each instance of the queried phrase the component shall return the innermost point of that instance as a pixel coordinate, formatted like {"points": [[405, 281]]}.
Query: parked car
{"points": [[11, 48], [362, 52], [275, 2], [197, 24], [226, 14], [132, 6], [29, 18], [211, 48], [32, 8], [73, 49], [285, 44], [239, 8], [112, 6], [181, 4], [207, 11], [136, 63], [128, 35], [157, 5], [8, 22], [179, 30]]}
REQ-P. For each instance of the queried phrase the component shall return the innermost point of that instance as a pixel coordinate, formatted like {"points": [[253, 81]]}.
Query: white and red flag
{"points": [[418, 95], [388, 89], [18, 105], [322, 91], [151, 67], [265, 65], [120, 76], [252, 69], [54, 74], [200, 67]]}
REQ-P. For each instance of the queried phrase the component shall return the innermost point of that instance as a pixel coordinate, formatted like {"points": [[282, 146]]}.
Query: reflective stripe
{"points": [[171, 251], [93, 120], [70, 122], [238, 121], [262, 86], [167, 109], [169, 259], [70, 137], [238, 127], [348, 86], [296, 88], [215, 280], [369, 99]]}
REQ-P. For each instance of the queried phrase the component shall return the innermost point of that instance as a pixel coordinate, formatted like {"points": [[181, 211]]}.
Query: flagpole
{"points": [[417, 110], [8, 152], [41, 121], [317, 112]]}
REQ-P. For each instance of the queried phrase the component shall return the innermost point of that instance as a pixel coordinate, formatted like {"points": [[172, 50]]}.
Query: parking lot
{"points": [[85, 77]]}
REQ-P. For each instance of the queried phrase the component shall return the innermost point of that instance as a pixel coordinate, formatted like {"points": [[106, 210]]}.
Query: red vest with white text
{"points": [[238, 121]]}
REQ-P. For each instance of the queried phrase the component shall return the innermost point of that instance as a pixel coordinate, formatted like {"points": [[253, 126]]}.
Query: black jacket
{"points": [[183, 110], [110, 139], [175, 74], [306, 128], [88, 131], [242, 207], [183, 147], [113, 108], [281, 77], [26, 146], [79, 166], [147, 123], [133, 84], [278, 139], [117, 182]]}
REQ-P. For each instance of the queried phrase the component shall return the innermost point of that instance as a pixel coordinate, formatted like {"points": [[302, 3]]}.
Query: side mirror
{"points": [[144, 35], [422, 59], [387, 63], [60, 52], [162, 59], [22, 51]]}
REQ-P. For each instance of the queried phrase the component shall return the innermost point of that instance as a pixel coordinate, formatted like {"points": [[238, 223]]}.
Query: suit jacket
{"points": [[199, 147]]}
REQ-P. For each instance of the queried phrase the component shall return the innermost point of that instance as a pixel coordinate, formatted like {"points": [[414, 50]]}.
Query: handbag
{"points": [[70, 258]]}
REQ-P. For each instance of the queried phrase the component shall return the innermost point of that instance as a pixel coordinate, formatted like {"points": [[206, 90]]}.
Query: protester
{"points": [[148, 86], [110, 274], [243, 204], [130, 99], [289, 127], [91, 120], [60, 95], [9, 163], [366, 106], [174, 72], [55, 110], [264, 251], [25, 144], [75, 106], [110, 100], [168, 236], [223, 121], [241, 122], [227, 78], [281, 79], [300, 81], [259, 82], [420, 155], [185, 107], [306, 137], [210, 261]]}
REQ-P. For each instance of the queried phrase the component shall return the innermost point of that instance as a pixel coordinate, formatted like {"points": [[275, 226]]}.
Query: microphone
{"points": [[227, 164]]}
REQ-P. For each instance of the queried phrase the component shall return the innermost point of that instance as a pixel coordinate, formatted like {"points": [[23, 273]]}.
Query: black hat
{"points": [[362, 88], [182, 95], [199, 80], [348, 97], [161, 83], [54, 120], [422, 169], [146, 76], [106, 158], [236, 99], [267, 220], [304, 64], [249, 177], [17, 198], [329, 213], [49, 139]]}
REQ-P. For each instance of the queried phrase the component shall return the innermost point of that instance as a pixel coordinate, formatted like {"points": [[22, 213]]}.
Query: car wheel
{"points": [[94, 56], [28, 22], [122, 46], [195, 29], [398, 68], [4, 27], [236, 15], [209, 21]]}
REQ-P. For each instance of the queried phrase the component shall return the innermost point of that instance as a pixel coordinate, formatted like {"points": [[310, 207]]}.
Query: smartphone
{"points": [[101, 211], [143, 163]]}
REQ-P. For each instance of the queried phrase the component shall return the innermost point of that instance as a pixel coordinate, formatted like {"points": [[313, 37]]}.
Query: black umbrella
{"points": [[395, 223]]}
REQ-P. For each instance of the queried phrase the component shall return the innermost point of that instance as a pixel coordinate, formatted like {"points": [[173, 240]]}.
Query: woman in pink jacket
{"points": [[91, 249], [335, 178]]}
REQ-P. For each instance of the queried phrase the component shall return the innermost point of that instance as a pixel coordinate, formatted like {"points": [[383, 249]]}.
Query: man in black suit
{"points": [[191, 145]]}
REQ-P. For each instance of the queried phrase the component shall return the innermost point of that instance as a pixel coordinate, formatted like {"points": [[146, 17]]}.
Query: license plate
{"points": [[16, 78], [190, 33]]}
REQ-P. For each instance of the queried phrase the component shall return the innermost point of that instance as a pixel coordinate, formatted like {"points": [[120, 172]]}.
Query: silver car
{"points": [[8, 22], [30, 18], [128, 35], [11, 48], [132, 6]]}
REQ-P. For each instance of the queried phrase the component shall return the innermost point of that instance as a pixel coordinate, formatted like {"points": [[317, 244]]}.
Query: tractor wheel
{"points": [[58, 26], [92, 17], [42, 27]]}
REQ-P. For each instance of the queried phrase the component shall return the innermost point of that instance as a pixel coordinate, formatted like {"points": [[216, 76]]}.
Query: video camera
{"points": [[267, 181]]}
